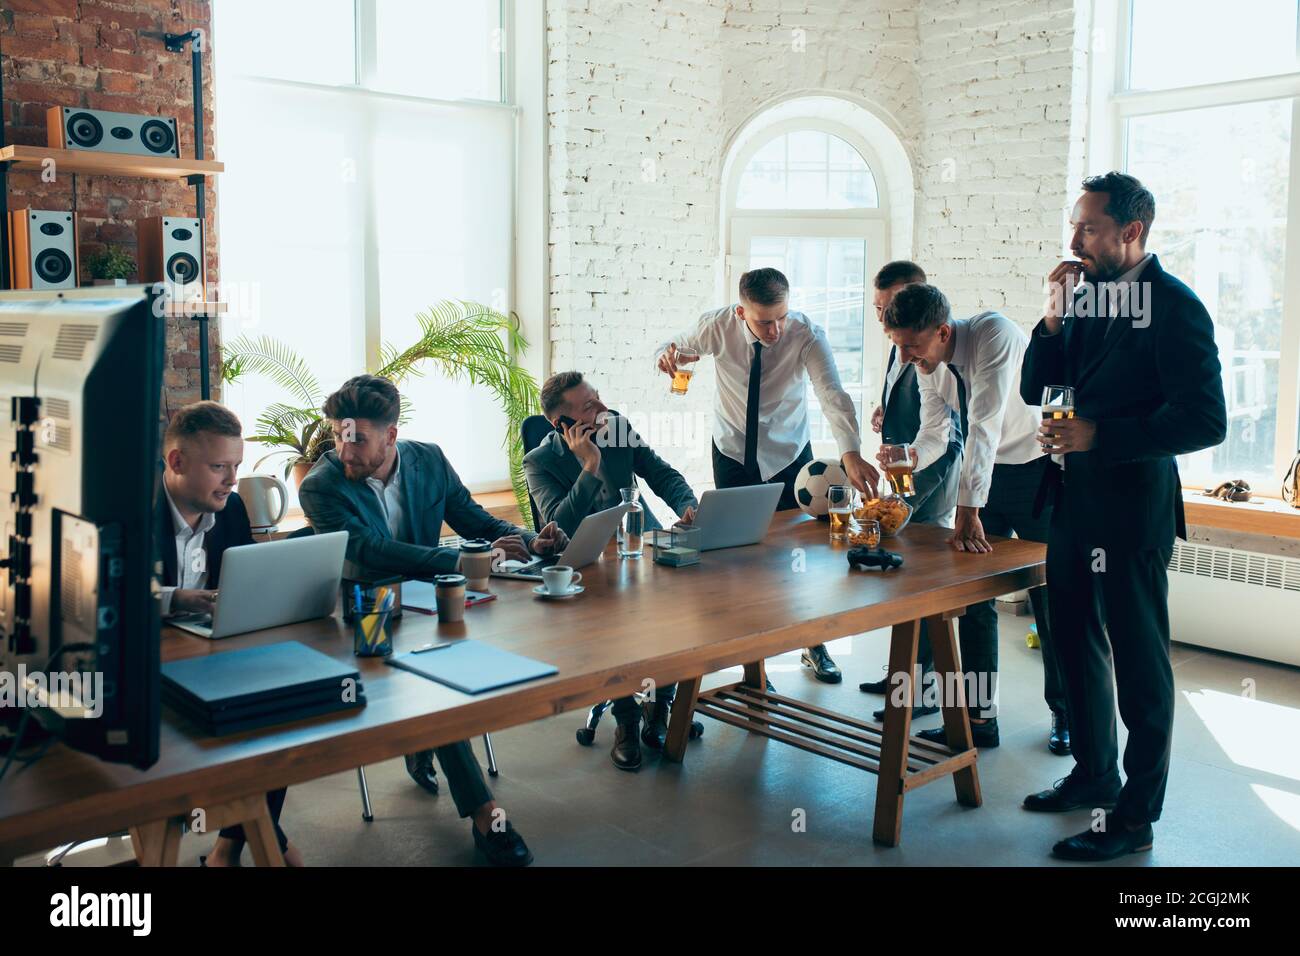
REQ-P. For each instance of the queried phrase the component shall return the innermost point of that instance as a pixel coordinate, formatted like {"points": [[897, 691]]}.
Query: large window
{"points": [[805, 201], [1203, 111], [370, 171]]}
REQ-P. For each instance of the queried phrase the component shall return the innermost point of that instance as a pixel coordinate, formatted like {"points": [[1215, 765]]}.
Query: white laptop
{"points": [[584, 547], [267, 585], [731, 517]]}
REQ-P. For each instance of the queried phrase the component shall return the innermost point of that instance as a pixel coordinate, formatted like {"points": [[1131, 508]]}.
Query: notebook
{"points": [[472, 667], [254, 674]]}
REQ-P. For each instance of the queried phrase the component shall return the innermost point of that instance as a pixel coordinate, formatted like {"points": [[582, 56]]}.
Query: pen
{"points": [[433, 647], [356, 597]]}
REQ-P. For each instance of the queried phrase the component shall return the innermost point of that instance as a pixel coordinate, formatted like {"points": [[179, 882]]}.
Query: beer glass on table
{"points": [[840, 500], [898, 469], [682, 377]]}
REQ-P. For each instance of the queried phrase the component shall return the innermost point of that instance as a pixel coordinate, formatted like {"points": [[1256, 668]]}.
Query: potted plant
{"points": [[464, 341], [110, 266]]}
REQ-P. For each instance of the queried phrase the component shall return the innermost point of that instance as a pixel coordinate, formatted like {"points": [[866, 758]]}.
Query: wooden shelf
{"points": [[1270, 516], [107, 164]]}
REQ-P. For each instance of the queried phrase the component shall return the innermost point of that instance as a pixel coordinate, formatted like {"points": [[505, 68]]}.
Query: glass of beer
{"points": [[1058, 404], [682, 377], [898, 469], [840, 500]]}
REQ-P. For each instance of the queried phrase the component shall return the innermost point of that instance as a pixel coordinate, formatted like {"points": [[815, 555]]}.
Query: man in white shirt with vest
{"points": [[972, 366], [764, 355]]}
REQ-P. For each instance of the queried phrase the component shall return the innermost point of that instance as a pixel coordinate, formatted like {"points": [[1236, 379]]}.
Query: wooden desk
{"points": [[636, 621]]}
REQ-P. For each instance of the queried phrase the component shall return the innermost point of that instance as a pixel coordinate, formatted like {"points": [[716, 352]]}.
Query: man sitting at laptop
{"points": [[392, 497], [578, 470], [199, 516]]}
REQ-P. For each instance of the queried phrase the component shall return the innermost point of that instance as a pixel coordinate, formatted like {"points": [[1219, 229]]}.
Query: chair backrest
{"points": [[534, 429]]}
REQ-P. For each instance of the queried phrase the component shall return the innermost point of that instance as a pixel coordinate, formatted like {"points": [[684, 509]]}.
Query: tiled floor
{"points": [[1233, 799]]}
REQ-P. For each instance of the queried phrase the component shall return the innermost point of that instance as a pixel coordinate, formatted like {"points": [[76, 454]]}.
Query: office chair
{"points": [[534, 430], [431, 785]]}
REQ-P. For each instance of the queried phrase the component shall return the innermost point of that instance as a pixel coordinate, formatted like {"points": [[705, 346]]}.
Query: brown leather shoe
{"points": [[626, 752]]}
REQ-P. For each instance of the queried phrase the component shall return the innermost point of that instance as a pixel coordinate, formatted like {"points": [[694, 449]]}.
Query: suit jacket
{"points": [[566, 494], [230, 530], [432, 492], [936, 484], [1155, 392]]}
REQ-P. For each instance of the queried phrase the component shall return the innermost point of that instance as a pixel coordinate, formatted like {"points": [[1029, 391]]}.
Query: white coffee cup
{"points": [[557, 578]]}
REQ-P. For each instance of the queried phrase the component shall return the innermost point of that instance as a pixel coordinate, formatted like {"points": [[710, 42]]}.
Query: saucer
{"points": [[541, 592]]}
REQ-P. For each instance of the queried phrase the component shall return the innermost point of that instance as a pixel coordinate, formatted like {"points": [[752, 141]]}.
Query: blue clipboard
{"points": [[471, 667]]}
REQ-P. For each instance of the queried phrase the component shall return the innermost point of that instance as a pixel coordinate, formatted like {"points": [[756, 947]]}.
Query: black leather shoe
{"points": [[984, 735], [1067, 794], [655, 731], [1058, 741], [504, 848], [1115, 841], [420, 767], [819, 660], [626, 752], [882, 686], [918, 710]]}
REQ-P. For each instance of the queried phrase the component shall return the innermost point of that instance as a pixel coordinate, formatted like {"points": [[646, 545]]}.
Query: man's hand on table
{"points": [[968, 535]]}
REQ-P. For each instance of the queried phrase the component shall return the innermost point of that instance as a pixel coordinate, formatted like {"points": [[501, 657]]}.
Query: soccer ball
{"points": [[813, 483]]}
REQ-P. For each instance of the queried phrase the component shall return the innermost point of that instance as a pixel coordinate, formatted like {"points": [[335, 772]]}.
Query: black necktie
{"points": [[961, 399], [751, 409]]}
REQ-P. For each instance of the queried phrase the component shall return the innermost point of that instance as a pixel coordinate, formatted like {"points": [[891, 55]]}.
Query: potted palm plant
{"points": [[464, 341]]}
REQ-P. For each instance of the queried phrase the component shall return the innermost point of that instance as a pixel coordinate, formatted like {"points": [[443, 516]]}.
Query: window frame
{"points": [[1113, 105], [869, 224]]}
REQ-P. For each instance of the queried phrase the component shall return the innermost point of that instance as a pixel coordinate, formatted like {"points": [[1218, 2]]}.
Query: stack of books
{"points": [[232, 691]]}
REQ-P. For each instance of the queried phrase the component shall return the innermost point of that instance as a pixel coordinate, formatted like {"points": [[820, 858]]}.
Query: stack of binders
{"points": [[232, 691]]}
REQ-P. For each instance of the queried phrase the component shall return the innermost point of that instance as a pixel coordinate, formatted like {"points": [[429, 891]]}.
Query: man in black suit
{"points": [[199, 516], [1137, 346], [581, 469], [897, 419]]}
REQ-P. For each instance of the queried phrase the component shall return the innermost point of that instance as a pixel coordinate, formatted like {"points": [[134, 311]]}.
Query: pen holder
{"points": [[372, 631], [369, 589], [676, 547]]}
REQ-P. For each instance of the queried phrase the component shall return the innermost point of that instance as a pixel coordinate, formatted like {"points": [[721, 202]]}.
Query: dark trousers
{"points": [[274, 803], [1010, 508], [729, 473], [464, 777], [1113, 607], [626, 709]]}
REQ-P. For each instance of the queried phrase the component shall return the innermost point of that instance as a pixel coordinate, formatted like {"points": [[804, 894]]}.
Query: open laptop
{"points": [[730, 517], [279, 582], [584, 547]]}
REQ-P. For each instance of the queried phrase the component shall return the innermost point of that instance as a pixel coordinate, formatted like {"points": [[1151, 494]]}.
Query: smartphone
{"points": [[564, 422]]}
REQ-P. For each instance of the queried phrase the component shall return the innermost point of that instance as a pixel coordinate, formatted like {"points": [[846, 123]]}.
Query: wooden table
{"points": [[637, 621]]}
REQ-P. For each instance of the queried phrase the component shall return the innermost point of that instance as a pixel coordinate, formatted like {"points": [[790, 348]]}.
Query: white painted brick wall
{"points": [[644, 96]]}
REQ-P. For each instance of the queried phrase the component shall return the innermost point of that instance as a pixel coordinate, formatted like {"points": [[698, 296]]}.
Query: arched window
{"points": [[804, 197]]}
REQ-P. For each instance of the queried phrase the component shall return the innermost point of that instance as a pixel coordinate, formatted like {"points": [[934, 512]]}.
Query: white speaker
{"points": [[71, 127], [42, 249], [170, 250]]}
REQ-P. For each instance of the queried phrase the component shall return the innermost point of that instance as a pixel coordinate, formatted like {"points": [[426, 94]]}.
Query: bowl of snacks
{"points": [[892, 511]]}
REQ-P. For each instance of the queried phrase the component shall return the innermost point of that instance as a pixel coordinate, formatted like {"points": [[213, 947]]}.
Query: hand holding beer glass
{"points": [[899, 462], [1058, 405], [674, 361]]}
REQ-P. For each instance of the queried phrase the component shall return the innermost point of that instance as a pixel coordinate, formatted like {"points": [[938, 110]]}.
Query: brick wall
{"points": [[110, 55], [644, 97]]}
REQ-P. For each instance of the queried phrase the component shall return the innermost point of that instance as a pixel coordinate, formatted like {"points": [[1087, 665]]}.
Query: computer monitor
{"points": [[80, 382]]}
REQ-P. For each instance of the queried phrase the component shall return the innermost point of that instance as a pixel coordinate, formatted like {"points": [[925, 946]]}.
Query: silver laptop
{"points": [[584, 547], [730, 517], [279, 582]]}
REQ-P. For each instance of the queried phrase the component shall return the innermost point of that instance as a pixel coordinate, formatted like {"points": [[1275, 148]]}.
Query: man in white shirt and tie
{"points": [[764, 355], [972, 366]]}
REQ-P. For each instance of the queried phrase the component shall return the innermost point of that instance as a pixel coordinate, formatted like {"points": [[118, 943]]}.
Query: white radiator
{"points": [[1236, 601]]}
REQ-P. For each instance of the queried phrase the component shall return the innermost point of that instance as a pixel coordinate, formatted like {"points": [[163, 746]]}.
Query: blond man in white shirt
{"points": [[765, 355]]}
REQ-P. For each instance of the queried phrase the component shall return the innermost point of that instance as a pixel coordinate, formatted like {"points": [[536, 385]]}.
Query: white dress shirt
{"points": [[191, 559], [390, 498], [1001, 428], [802, 353]]}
